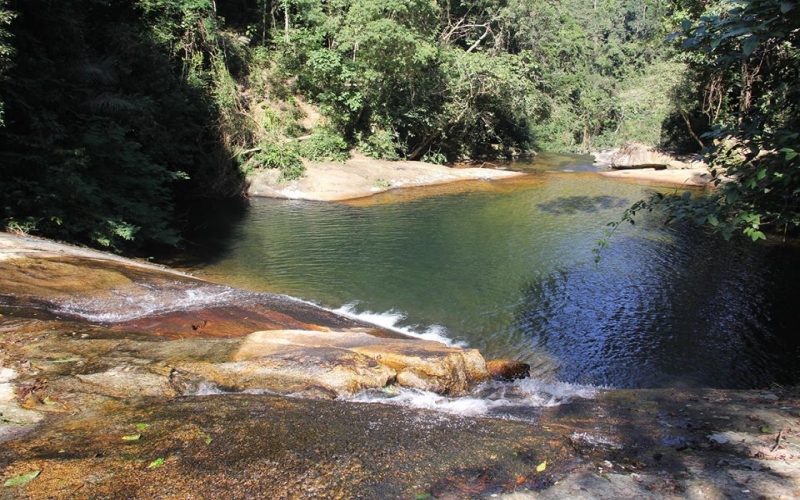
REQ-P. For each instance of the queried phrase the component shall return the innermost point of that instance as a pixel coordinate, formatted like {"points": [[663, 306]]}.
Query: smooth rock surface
{"points": [[361, 176], [507, 369], [229, 338]]}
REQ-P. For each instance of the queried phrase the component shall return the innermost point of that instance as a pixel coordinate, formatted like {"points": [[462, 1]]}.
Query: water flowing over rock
{"points": [[229, 338], [92, 405], [507, 369]]}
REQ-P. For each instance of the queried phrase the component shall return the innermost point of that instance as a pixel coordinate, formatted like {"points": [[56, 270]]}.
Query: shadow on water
{"points": [[213, 227], [695, 315], [570, 205]]}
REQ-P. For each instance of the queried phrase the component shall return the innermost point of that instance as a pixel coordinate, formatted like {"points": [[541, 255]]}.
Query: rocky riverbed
{"points": [[120, 379]]}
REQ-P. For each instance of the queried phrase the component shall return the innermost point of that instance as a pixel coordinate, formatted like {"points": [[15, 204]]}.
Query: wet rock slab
{"points": [[251, 446], [274, 343], [656, 444], [93, 405]]}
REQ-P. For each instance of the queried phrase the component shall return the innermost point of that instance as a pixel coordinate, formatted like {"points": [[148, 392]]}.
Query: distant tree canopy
{"points": [[117, 115], [470, 79]]}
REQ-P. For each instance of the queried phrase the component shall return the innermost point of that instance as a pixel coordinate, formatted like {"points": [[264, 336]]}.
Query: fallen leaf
{"points": [[158, 462], [141, 426], [765, 429], [131, 437], [541, 467], [23, 479]]}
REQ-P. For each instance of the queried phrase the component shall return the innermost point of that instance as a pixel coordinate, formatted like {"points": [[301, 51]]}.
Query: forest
{"points": [[116, 117]]}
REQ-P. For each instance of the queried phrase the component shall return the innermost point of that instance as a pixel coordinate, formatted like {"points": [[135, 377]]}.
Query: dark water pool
{"points": [[509, 270]]}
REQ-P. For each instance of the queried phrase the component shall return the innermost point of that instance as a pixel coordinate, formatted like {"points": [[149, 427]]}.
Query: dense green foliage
{"points": [[101, 132], [116, 115], [408, 78], [744, 84], [6, 50]]}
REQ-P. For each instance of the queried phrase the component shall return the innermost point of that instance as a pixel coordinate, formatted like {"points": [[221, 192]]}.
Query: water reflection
{"points": [[585, 204], [688, 317], [510, 271]]}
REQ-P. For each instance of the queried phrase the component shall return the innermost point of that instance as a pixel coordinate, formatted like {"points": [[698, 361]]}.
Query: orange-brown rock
{"points": [[138, 330], [505, 369]]}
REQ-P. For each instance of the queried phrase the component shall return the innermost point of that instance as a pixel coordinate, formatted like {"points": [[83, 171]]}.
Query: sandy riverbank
{"points": [[687, 177], [360, 177]]}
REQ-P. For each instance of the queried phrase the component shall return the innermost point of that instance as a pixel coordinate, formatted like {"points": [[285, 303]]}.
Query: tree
{"points": [[6, 49], [747, 53], [409, 78], [101, 131]]}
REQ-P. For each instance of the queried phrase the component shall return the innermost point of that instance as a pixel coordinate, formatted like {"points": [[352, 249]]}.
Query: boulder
{"points": [[356, 360], [430, 366], [640, 156], [505, 369], [293, 369]]}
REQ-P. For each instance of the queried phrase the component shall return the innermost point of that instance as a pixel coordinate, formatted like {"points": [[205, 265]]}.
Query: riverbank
{"points": [[697, 177], [114, 407], [361, 176], [644, 164]]}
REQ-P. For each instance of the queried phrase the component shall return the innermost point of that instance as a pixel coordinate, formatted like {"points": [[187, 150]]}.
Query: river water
{"points": [[507, 267]]}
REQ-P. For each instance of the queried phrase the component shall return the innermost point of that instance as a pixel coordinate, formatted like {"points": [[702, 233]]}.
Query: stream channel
{"points": [[507, 267]]}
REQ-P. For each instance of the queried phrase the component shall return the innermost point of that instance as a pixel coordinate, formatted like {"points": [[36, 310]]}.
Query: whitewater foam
{"points": [[126, 308], [491, 399], [391, 321]]}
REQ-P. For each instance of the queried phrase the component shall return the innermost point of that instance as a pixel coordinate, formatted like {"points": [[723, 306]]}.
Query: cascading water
{"points": [[510, 271]]}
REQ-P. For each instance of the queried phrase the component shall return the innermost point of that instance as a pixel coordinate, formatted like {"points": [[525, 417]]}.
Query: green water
{"points": [[509, 270]]}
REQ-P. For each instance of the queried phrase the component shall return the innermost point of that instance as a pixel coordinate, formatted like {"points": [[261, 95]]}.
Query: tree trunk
{"points": [[691, 130], [420, 149], [286, 20]]}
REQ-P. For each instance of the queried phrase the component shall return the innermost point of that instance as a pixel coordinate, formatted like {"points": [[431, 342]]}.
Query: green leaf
{"points": [[790, 153], [155, 464], [141, 427], [749, 45], [541, 467], [21, 480], [131, 437], [786, 7], [423, 496]]}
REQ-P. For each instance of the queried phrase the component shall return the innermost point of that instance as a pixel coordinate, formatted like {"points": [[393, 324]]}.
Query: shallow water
{"points": [[507, 267]]}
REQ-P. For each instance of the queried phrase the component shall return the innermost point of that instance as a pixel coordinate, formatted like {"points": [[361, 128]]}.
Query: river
{"points": [[507, 267]]}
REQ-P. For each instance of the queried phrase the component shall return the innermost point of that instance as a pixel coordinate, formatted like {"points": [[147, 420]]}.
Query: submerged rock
{"points": [[506, 369]]}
